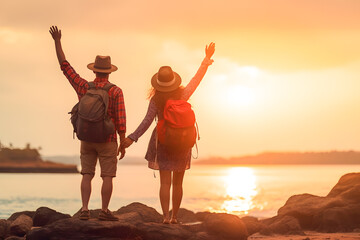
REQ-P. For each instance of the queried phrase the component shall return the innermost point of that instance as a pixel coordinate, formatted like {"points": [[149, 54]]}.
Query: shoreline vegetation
{"points": [[28, 160], [304, 216]]}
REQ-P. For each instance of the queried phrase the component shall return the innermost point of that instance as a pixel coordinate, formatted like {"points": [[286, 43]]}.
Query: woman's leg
{"points": [[165, 184], [177, 194]]}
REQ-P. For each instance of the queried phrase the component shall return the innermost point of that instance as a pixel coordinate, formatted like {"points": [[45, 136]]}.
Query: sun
{"points": [[236, 87], [239, 96]]}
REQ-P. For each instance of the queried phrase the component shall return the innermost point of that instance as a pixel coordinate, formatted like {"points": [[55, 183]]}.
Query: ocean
{"points": [[254, 190]]}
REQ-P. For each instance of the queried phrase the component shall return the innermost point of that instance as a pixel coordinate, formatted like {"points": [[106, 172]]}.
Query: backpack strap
{"points": [[91, 85], [108, 86]]}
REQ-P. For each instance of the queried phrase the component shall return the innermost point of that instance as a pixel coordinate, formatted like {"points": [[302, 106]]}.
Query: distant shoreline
{"points": [[289, 158]]}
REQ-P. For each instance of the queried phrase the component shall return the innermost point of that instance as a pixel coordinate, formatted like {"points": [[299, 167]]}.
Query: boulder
{"points": [[15, 215], [75, 229], [45, 215], [4, 228], [156, 231], [186, 216], [339, 211], [129, 226], [284, 225], [225, 226], [148, 214], [15, 238], [93, 213], [21, 226], [253, 225]]}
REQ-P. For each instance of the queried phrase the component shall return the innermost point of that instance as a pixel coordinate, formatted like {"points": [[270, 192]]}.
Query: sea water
{"points": [[242, 190]]}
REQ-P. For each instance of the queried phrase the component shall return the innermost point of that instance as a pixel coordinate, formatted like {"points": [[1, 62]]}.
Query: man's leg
{"points": [[107, 153], [88, 158], [86, 191], [106, 192]]}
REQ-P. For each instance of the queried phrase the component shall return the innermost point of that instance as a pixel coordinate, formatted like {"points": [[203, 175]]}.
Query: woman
{"points": [[172, 166]]}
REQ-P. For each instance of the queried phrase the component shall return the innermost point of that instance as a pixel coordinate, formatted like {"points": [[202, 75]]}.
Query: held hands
{"points": [[122, 151], [126, 142], [209, 50], [55, 33]]}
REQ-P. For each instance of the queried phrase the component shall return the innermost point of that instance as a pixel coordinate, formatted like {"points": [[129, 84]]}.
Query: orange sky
{"points": [[285, 77]]}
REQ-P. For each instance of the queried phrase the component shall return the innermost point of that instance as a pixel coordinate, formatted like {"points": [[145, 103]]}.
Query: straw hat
{"points": [[166, 80], [102, 64]]}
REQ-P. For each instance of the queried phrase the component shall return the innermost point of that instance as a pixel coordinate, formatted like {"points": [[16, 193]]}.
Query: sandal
{"points": [[84, 215], [107, 216]]}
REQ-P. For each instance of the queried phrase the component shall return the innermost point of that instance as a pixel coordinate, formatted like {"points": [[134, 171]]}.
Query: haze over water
{"points": [[242, 190]]}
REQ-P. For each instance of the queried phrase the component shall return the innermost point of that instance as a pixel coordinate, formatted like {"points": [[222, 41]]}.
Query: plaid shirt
{"points": [[116, 108]]}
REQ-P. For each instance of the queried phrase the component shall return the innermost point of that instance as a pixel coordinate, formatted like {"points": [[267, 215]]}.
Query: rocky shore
{"points": [[305, 216]]}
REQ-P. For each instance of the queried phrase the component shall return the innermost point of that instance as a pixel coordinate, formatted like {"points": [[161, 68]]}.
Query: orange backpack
{"points": [[177, 130]]}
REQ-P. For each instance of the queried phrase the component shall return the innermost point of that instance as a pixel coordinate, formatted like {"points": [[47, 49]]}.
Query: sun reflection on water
{"points": [[240, 186]]}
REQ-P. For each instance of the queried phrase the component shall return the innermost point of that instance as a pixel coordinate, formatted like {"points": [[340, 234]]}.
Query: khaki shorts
{"points": [[105, 152]]}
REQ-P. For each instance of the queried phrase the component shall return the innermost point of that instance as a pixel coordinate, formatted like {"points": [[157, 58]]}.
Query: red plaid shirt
{"points": [[116, 108]]}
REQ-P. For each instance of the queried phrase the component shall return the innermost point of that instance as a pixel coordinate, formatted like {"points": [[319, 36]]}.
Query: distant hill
{"points": [[28, 160], [269, 158]]}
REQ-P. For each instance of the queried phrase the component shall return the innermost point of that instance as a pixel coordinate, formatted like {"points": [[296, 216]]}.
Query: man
{"points": [[108, 151]]}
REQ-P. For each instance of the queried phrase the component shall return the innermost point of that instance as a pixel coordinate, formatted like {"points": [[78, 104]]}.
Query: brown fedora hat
{"points": [[166, 80], [102, 64]]}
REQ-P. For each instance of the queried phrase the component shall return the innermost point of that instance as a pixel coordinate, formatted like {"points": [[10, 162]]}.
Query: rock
{"points": [[73, 228], [4, 228], [339, 219], [339, 211], [346, 183], [225, 226], [45, 215], [21, 226], [93, 213], [285, 225], [200, 216], [148, 214], [186, 216], [155, 231], [17, 214], [15, 238], [253, 225]]}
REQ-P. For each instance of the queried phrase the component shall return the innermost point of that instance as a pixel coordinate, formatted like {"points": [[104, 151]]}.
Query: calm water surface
{"points": [[243, 190]]}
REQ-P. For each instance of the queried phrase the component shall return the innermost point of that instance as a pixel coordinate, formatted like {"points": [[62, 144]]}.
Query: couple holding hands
{"points": [[166, 84]]}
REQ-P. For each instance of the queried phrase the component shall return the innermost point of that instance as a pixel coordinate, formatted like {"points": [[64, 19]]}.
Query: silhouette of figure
{"points": [[171, 165], [108, 151]]}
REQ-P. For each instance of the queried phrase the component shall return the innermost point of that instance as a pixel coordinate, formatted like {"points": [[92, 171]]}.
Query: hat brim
{"points": [[170, 88], [109, 70]]}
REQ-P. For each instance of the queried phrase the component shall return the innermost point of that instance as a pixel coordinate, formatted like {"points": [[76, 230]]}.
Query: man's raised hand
{"points": [[55, 33]]}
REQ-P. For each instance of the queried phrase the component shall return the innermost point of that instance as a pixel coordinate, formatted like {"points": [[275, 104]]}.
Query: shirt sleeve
{"points": [[195, 81], [79, 84], [120, 114], [146, 122]]}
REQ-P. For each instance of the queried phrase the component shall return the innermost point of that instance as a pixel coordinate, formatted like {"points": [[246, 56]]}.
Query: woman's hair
{"points": [[160, 98]]}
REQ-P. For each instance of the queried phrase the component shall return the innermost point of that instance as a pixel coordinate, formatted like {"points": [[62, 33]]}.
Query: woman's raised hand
{"points": [[209, 50]]}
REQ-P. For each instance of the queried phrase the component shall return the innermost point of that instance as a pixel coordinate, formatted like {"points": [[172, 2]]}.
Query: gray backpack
{"points": [[89, 116]]}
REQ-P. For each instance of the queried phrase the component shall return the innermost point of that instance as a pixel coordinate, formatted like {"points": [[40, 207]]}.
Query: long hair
{"points": [[160, 98]]}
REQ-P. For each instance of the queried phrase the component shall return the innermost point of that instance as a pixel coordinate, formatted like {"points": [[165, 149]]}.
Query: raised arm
{"points": [[56, 35], [195, 81]]}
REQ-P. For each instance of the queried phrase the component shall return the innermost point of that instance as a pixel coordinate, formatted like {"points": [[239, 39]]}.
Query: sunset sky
{"points": [[285, 76]]}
